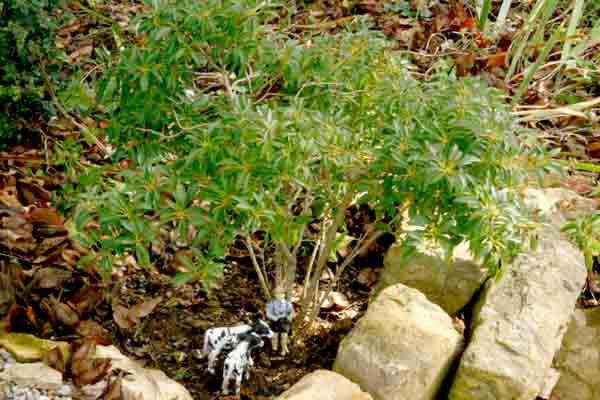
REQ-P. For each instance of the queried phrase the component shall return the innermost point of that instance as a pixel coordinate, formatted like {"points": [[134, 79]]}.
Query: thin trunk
{"points": [[261, 274], [311, 263]]}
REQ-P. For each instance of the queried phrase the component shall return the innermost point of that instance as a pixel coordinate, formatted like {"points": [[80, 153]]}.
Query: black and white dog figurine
{"points": [[280, 313], [239, 361], [218, 339]]}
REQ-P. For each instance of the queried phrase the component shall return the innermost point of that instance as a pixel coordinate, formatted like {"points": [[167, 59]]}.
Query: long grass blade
{"points": [[523, 40], [547, 12], [572, 30], [502, 14], [576, 15], [484, 14], [536, 65]]}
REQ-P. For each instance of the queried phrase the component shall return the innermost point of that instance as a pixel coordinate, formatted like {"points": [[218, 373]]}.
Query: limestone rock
{"points": [[37, 375], [449, 285], [402, 348], [578, 360], [519, 323], [142, 384], [325, 385], [27, 348], [558, 204]]}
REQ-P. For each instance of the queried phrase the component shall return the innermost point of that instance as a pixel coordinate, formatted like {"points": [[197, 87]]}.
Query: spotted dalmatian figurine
{"points": [[217, 340], [280, 313], [239, 361]]}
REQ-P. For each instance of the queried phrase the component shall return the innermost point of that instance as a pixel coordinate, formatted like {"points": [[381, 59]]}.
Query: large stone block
{"points": [[578, 360], [324, 385], [519, 323], [402, 348], [450, 285], [558, 205]]}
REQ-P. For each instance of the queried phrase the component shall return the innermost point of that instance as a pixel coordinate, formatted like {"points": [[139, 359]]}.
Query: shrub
{"points": [[345, 124], [26, 38]]}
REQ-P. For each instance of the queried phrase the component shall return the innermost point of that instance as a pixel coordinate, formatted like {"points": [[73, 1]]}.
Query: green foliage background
{"points": [[26, 38]]}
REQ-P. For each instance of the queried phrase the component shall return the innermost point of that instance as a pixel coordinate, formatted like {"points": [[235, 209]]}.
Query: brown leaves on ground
{"points": [[127, 318], [60, 313], [80, 36], [55, 359], [84, 368], [50, 277], [42, 290], [93, 330]]}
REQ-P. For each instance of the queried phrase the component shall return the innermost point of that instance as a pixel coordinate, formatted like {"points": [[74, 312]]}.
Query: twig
{"points": [[261, 277], [310, 267], [228, 88], [94, 12], [84, 130], [324, 24], [547, 113]]}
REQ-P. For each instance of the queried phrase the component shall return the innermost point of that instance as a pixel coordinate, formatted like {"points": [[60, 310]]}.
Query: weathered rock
{"points": [[37, 375], [401, 348], [27, 348], [325, 385], [519, 323], [559, 205], [578, 360], [6, 359], [143, 384], [449, 285]]}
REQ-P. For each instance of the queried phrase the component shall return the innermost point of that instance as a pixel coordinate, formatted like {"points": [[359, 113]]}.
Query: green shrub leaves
{"points": [[233, 126]]}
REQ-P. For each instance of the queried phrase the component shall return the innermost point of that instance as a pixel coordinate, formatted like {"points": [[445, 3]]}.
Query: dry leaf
{"points": [[82, 350], [139, 311], [70, 256], [60, 312], [50, 243], [86, 299], [54, 359], [33, 194], [46, 216], [9, 198], [92, 329], [17, 233], [70, 27], [464, 63], [84, 51], [121, 317], [84, 368], [335, 300], [7, 292], [496, 60], [50, 278], [18, 320], [30, 314], [367, 277], [93, 372]]}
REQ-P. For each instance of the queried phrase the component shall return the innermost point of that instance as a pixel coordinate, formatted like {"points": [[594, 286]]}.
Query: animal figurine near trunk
{"points": [[280, 313], [226, 338], [239, 361]]}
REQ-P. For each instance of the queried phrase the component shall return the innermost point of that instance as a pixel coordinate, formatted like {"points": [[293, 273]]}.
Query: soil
{"points": [[171, 338]]}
